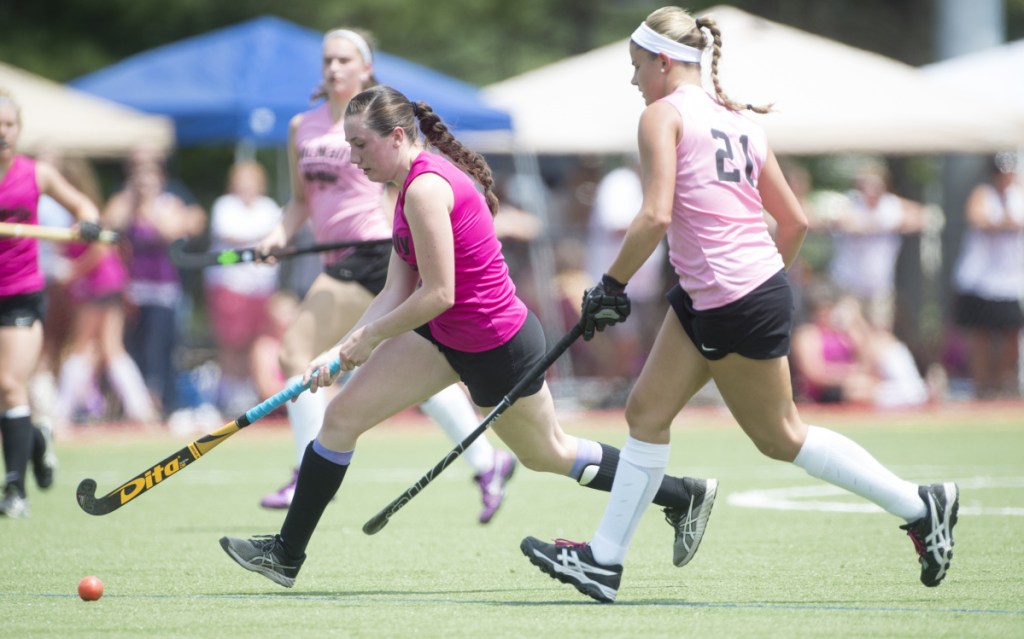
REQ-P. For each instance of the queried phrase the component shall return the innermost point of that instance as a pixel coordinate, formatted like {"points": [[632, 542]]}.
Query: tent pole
{"points": [[542, 257]]}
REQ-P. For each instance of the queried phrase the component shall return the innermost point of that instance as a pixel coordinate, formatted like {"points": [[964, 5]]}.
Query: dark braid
{"points": [[387, 108], [440, 137]]}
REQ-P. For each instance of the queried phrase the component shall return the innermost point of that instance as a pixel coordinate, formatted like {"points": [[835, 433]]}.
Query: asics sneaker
{"points": [[44, 459], [933, 534], [14, 504], [689, 523], [573, 563], [282, 497], [492, 484], [263, 554]]}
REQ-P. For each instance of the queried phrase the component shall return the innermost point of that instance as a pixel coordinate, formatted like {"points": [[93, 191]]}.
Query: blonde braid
{"points": [[716, 53]]}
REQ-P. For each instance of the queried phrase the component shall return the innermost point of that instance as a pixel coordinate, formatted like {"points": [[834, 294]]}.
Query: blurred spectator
{"points": [[95, 284], [617, 199], [839, 357], [867, 236], [237, 295], [150, 216], [989, 280]]}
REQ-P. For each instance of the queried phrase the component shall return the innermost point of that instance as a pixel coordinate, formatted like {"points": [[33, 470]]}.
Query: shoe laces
{"points": [[264, 542]]}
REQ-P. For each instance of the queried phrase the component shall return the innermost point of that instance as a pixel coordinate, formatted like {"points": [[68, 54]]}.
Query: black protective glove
{"points": [[604, 305], [89, 231]]}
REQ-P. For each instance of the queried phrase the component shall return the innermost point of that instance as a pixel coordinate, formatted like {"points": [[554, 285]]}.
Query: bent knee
{"points": [[645, 423], [537, 462], [781, 446]]}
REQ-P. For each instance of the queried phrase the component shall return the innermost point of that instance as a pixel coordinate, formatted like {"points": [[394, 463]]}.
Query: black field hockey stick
{"points": [[378, 521], [157, 473], [188, 260]]}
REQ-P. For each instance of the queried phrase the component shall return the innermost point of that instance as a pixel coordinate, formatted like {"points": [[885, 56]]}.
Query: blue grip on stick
{"points": [[273, 403]]}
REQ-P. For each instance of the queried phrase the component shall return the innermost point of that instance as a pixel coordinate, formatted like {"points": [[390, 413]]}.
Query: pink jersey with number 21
{"points": [[718, 241]]}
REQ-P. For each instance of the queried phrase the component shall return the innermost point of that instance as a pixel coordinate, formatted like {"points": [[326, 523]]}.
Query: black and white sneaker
{"points": [[689, 523], [573, 563], [44, 458], [263, 554], [14, 504], [933, 534]]}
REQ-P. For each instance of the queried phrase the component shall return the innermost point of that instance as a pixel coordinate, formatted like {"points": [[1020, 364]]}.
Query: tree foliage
{"points": [[480, 41]]}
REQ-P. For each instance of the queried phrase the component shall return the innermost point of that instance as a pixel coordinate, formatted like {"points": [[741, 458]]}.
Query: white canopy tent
{"points": [[77, 123], [828, 97], [996, 74]]}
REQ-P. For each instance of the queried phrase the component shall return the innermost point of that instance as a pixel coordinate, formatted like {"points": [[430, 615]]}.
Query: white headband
{"points": [[354, 38], [649, 39]]}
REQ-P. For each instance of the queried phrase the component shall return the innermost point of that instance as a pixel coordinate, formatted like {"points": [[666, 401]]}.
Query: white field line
{"points": [[816, 498]]}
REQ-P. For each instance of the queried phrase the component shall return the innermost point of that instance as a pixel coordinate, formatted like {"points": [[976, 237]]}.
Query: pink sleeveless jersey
{"points": [[343, 204], [19, 257], [719, 243], [836, 348], [107, 277], [486, 313]]}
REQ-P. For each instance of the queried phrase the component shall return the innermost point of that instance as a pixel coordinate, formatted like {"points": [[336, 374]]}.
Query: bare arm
{"points": [[403, 306], [428, 204], [659, 132], [52, 183], [784, 207]]}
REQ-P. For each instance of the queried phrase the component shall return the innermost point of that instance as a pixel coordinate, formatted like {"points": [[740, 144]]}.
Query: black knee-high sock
{"points": [[671, 493], [319, 479], [17, 441]]}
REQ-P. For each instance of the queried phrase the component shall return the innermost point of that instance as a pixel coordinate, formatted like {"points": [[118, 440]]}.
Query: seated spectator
{"points": [[838, 356]]}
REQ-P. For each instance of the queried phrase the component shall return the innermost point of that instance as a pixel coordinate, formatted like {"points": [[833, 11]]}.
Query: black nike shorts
{"points": [[757, 326]]}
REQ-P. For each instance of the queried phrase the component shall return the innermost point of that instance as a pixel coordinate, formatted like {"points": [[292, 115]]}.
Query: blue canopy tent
{"points": [[243, 83]]}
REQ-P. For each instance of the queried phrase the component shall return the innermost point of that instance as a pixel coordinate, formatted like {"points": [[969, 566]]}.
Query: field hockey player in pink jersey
{"points": [[342, 205], [22, 181], [448, 312], [708, 176]]}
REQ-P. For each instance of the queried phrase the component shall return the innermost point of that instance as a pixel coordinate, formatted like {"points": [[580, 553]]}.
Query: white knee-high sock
{"points": [[75, 381], [838, 460], [127, 381], [453, 411], [306, 415], [637, 479]]}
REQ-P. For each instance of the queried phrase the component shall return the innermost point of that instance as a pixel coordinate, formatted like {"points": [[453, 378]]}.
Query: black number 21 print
{"points": [[725, 153]]}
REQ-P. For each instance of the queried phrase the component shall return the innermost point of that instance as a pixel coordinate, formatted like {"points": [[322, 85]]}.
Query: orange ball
{"points": [[90, 588]]}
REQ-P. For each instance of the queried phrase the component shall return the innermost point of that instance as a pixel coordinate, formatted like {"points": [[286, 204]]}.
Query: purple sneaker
{"points": [[492, 484], [282, 498]]}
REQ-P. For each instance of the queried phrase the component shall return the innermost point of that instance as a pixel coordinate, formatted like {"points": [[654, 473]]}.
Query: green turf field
{"points": [[818, 564]]}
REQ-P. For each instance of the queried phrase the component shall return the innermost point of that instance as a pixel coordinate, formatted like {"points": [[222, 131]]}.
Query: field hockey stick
{"points": [[52, 233], [226, 257], [180, 460], [378, 521]]}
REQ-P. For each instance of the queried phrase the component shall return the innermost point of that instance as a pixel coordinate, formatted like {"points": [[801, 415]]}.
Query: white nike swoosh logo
{"points": [[706, 349]]}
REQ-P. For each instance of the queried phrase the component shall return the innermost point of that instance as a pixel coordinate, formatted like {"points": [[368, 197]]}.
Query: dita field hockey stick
{"points": [[180, 460], [378, 521], [226, 257], [52, 233]]}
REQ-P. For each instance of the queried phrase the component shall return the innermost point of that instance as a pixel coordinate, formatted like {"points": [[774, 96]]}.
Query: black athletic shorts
{"points": [[366, 265], [22, 310], [490, 375], [757, 326], [972, 311]]}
